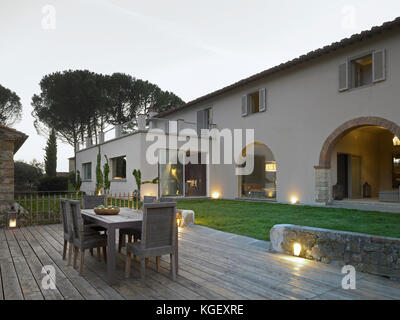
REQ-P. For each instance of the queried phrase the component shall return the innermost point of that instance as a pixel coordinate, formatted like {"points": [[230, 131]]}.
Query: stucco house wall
{"points": [[304, 107]]}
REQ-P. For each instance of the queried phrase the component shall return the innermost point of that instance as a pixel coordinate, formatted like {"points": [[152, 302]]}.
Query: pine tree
{"points": [[50, 158]]}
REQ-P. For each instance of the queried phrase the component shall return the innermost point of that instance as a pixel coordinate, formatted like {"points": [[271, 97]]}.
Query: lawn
{"points": [[255, 219]]}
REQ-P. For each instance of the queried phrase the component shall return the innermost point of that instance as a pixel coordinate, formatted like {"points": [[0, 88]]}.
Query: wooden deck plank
{"points": [[97, 282], [255, 276], [213, 265], [165, 288], [63, 284], [80, 283], [36, 267], [11, 286]]}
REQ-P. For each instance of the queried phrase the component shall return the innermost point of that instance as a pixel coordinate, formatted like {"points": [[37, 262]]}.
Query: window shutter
{"points": [[344, 76], [262, 96], [201, 120], [210, 118], [378, 66], [244, 106]]}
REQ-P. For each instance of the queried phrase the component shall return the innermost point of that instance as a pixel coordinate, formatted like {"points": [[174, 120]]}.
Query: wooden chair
{"points": [[84, 237], [149, 199], [158, 237], [68, 234], [133, 233], [90, 202]]}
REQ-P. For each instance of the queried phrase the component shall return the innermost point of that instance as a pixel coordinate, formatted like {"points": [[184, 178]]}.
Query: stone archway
{"points": [[323, 169]]}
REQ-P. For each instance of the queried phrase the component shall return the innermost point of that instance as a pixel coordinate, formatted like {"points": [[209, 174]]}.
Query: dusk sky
{"points": [[185, 46]]}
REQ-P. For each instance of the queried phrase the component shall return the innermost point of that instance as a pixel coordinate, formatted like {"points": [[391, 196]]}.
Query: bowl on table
{"points": [[110, 211]]}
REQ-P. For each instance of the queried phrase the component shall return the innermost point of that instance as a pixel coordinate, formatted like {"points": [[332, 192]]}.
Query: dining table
{"points": [[127, 218]]}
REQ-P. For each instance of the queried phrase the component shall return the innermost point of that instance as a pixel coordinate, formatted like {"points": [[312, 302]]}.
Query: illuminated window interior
{"points": [[362, 71], [261, 183], [118, 168]]}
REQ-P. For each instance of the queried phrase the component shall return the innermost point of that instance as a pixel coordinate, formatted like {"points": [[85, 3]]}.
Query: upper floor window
{"points": [[363, 70], [118, 168], [204, 119], [87, 171], [254, 102]]}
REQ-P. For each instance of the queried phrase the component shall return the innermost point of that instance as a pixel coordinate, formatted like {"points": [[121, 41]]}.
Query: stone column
{"points": [[6, 172], [323, 187]]}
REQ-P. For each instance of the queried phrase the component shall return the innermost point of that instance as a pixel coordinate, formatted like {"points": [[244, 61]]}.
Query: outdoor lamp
{"points": [[297, 249], [11, 220], [215, 195], [294, 200], [179, 219]]}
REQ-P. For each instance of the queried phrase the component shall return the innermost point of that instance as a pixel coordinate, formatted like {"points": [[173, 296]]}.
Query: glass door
{"points": [[195, 178]]}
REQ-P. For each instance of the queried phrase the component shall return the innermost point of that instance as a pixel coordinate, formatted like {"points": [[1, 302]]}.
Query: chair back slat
{"points": [[149, 199], [159, 225], [77, 220], [91, 202], [63, 205]]}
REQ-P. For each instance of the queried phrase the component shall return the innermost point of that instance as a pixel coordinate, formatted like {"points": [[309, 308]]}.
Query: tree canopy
{"points": [[10, 107], [79, 103]]}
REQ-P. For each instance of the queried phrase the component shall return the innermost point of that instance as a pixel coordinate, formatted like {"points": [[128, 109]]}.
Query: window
{"points": [[361, 71], [176, 179], [254, 102], [171, 174], [118, 167], [261, 183], [87, 171]]}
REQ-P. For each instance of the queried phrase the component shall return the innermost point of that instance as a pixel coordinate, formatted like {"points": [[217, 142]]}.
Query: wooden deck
{"points": [[213, 265]]}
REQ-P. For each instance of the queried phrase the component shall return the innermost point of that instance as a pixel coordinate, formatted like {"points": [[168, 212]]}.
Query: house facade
{"points": [[10, 142], [325, 125]]}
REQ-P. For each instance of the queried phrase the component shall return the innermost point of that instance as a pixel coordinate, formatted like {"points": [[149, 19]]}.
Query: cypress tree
{"points": [[50, 158]]}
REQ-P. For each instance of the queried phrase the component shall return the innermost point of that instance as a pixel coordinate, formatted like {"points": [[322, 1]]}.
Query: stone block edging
{"points": [[187, 217], [367, 253]]}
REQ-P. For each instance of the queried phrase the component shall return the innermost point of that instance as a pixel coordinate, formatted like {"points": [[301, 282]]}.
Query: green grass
{"points": [[255, 219]]}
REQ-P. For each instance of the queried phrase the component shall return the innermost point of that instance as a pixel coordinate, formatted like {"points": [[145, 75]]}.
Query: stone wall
{"points": [[323, 185], [6, 171], [372, 254]]}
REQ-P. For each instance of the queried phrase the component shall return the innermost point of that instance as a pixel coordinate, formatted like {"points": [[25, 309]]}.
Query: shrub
{"points": [[53, 184]]}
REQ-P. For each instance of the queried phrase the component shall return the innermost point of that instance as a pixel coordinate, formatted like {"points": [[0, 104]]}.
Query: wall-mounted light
{"points": [[270, 166], [215, 195], [294, 200], [297, 249], [396, 141]]}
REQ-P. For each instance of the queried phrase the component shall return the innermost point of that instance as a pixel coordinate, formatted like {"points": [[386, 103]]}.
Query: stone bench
{"points": [[187, 217], [367, 253]]}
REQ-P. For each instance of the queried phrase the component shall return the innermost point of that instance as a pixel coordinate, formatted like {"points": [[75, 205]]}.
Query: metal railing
{"points": [[36, 208]]}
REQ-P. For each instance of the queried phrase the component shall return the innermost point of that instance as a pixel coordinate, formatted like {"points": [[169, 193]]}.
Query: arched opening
{"points": [[261, 183], [359, 160]]}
